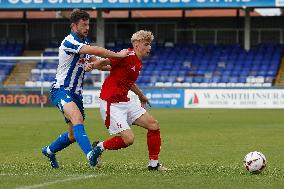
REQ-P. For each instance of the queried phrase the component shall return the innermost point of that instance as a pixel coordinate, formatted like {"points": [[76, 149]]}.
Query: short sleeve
{"points": [[114, 61], [72, 46]]}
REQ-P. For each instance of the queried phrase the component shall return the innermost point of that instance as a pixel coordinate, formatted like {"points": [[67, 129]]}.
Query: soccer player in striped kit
{"points": [[66, 92], [119, 112]]}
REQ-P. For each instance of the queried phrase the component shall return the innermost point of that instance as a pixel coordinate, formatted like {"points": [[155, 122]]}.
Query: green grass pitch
{"points": [[204, 149]]}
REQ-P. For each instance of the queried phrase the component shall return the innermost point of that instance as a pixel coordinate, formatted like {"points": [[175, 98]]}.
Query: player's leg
{"points": [[71, 132], [71, 105], [63, 141], [122, 140], [153, 139], [75, 113], [138, 116]]}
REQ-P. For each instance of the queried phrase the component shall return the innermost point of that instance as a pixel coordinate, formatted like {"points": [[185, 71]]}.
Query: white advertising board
{"points": [[91, 98], [234, 98]]}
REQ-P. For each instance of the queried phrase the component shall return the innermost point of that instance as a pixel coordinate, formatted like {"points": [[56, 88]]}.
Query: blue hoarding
{"points": [[166, 98], [134, 4]]}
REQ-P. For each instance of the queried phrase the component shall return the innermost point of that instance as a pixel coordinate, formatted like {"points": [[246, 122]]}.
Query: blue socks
{"points": [[82, 138], [60, 143], [63, 141]]}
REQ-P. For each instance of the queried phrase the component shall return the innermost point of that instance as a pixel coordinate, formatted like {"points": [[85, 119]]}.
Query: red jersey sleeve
{"points": [[114, 61]]}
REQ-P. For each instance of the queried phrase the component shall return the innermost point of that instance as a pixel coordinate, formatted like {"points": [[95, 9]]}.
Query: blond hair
{"points": [[142, 35]]}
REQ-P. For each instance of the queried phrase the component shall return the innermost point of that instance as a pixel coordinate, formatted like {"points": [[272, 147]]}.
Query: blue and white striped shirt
{"points": [[71, 68]]}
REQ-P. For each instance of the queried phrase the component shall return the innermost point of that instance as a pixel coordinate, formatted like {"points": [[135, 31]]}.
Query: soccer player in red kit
{"points": [[119, 112]]}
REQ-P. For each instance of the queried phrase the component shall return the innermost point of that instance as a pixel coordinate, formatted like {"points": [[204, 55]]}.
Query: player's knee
{"points": [[77, 119], [154, 125], [71, 137], [128, 140]]}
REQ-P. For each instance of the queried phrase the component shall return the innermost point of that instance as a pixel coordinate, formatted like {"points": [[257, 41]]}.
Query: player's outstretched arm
{"points": [[102, 52], [143, 99], [100, 64]]}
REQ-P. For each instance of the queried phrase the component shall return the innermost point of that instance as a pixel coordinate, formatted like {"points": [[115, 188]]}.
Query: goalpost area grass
{"points": [[203, 149]]}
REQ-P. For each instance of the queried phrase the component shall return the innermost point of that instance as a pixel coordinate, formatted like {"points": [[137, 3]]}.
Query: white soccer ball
{"points": [[255, 162]]}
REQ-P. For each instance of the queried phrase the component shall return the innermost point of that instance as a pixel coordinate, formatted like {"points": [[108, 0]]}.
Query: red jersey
{"points": [[123, 74]]}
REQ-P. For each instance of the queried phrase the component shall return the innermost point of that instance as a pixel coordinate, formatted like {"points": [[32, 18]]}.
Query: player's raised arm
{"points": [[102, 52]]}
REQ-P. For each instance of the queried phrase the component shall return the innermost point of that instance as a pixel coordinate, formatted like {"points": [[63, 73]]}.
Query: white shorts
{"points": [[120, 116]]}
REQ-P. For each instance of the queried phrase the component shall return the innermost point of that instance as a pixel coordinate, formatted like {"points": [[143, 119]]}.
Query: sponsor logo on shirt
{"points": [[133, 68], [82, 61]]}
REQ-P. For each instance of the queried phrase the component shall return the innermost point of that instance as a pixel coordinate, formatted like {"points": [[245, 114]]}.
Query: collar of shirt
{"points": [[84, 40]]}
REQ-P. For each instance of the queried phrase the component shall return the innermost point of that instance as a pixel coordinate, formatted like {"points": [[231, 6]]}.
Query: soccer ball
{"points": [[255, 162]]}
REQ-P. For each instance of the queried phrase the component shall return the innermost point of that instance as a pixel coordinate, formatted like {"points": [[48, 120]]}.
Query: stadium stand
{"points": [[210, 65], [189, 65], [44, 72], [9, 48]]}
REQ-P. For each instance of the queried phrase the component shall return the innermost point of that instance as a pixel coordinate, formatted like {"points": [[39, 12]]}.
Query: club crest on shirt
{"points": [[82, 61], [119, 125], [133, 68]]}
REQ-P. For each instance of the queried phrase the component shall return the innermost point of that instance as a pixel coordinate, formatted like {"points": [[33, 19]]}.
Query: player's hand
{"points": [[144, 101], [89, 67], [123, 53]]}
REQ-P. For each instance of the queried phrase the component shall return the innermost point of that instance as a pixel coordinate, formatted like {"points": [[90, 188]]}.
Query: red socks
{"points": [[114, 143], [154, 144]]}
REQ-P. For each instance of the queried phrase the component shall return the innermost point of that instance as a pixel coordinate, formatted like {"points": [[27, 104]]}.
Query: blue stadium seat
{"points": [[242, 79], [224, 79], [233, 79]]}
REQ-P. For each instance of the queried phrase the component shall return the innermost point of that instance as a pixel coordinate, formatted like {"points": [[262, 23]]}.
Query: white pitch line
{"points": [[8, 174], [56, 182]]}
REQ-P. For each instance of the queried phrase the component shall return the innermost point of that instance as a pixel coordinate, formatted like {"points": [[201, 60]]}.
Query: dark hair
{"points": [[77, 15]]}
